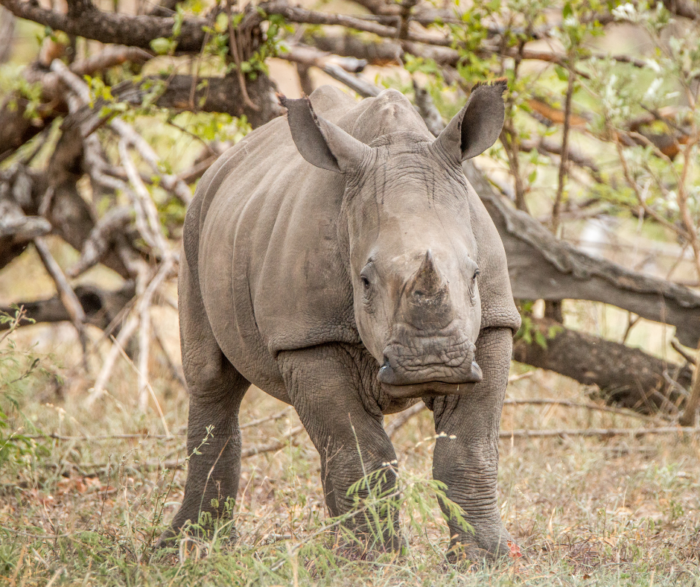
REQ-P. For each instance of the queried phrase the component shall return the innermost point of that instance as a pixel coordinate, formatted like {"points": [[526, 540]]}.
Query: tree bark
{"points": [[111, 27], [542, 267], [626, 376], [101, 307]]}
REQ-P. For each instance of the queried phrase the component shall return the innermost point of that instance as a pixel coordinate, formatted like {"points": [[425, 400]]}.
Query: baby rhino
{"points": [[338, 259]]}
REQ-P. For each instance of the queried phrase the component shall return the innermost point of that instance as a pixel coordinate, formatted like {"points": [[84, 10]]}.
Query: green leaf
{"points": [[562, 74], [221, 23], [540, 339], [161, 45], [567, 11]]}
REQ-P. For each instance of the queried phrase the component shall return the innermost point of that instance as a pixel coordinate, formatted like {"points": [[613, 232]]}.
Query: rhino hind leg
{"points": [[216, 390], [325, 384], [466, 454]]}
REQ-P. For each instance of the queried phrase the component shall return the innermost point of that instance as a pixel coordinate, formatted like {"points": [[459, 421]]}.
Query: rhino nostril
{"points": [[386, 373], [476, 372]]}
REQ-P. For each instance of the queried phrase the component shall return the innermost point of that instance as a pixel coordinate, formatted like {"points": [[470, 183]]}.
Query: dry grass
{"points": [[585, 511]]}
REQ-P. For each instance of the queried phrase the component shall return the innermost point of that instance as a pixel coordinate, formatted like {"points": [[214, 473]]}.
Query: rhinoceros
{"points": [[338, 259]]}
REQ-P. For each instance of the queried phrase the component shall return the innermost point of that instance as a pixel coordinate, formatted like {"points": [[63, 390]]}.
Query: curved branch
{"points": [[110, 27], [542, 267]]}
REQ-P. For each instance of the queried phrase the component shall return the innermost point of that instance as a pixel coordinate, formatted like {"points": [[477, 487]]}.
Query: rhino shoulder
{"points": [[498, 308]]}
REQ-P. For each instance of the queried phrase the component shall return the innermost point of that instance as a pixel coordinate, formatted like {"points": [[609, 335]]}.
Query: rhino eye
{"points": [[365, 282], [476, 273]]}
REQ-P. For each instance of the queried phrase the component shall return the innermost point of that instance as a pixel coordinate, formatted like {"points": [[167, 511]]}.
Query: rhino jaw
{"points": [[397, 387]]}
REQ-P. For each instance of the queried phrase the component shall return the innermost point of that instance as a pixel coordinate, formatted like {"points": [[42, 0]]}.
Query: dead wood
{"points": [[599, 432], [626, 376], [100, 306], [542, 267], [68, 298], [112, 27], [212, 94]]}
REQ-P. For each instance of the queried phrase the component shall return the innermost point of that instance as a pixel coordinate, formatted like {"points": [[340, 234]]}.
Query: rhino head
{"points": [[406, 236]]}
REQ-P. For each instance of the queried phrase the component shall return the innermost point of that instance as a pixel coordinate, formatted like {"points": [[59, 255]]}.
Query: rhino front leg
{"points": [[328, 390], [216, 390], [466, 455]]}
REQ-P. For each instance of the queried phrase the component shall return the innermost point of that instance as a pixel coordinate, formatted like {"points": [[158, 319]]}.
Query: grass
{"points": [[584, 511]]}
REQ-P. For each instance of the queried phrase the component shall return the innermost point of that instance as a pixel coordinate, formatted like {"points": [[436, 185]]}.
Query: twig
{"points": [[143, 356], [143, 203], [520, 377], [103, 376], [689, 414], [272, 446], [428, 110], [311, 56], [399, 421], [631, 321], [601, 432], [68, 298], [301, 15], [81, 90], [104, 437], [233, 47], [174, 369], [180, 463], [406, 415], [272, 418], [402, 419], [354, 82], [149, 389], [563, 162], [574, 404], [100, 239], [682, 352]]}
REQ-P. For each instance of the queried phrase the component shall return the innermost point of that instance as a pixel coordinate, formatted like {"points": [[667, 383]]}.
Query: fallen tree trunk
{"points": [[101, 307], [625, 376], [542, 267]]}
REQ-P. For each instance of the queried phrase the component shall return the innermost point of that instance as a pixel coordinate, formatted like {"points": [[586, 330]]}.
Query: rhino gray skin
{"points": [[338, 259]]}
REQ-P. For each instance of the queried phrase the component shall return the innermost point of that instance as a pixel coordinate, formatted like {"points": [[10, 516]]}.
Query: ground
{"points": [[585, 511]]}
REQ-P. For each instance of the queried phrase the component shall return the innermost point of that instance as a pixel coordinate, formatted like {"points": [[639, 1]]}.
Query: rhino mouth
{"points": [[445, 367], [429, 388]]}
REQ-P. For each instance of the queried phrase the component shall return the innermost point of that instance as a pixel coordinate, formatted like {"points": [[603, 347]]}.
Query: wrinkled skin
{"points": [[339, 260]]}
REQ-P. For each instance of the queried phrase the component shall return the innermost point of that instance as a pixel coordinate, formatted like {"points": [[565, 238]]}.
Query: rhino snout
{"points": [[451, 365]]}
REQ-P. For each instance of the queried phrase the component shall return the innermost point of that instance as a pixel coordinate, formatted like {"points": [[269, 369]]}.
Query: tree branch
{"points": [[626, 376], [541, 267], [112, 27]]}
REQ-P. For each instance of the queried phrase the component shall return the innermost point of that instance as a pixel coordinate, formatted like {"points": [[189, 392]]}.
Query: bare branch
{"points": [[312, 56], [100, 306], [100, 239], [65, 291], [541, 267], [427, 110], [113, 27], [598, 432], [301, 15], [402, 419], [626, 376], [563, 162]]}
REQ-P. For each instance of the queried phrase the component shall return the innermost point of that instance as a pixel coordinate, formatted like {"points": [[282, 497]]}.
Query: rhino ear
{"points": [[477, 126], [320, 142]]}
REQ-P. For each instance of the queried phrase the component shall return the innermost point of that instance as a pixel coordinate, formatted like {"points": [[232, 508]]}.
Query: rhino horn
{"points": [[426, 282], [427, 297]]}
